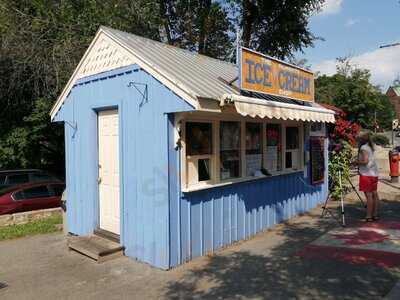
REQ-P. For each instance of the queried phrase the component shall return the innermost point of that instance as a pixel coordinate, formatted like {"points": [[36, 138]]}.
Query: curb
{"points": [[385, 181]]}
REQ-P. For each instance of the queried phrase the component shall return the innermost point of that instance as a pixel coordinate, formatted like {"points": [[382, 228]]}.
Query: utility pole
{"points": [[389, 46]]}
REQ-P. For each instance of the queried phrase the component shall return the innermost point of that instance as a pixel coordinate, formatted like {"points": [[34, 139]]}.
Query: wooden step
{"points": [[96, 247], [107, 235]]}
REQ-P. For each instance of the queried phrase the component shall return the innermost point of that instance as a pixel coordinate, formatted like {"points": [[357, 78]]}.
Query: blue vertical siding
{"points": [[214, 218], [206, 220], [144, 158], [159, 224]]}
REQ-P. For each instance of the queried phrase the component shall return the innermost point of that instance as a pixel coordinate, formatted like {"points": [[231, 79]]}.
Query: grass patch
{"points": [[35, 227]]}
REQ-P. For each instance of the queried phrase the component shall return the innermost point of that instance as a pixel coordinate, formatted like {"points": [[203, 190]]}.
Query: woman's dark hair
{"points": [[366, 139]]}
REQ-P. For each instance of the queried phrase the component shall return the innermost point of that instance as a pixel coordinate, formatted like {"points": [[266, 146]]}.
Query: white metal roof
{"points": [[199, 73], [194, 74], [190, 75]]}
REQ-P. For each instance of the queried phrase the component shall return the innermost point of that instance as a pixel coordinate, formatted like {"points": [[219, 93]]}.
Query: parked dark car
{"points": [[9, 178], [31, 196]]}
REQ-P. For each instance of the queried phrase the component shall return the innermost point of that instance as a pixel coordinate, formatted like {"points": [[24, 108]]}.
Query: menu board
{"points": [[253, 164], [317, 153]]}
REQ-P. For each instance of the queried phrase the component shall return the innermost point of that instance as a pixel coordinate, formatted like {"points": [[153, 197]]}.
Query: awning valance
{"points": [[253, 107]]}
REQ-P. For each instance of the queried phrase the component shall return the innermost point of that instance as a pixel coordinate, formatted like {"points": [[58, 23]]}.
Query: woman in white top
{"points": [[368, 170]]}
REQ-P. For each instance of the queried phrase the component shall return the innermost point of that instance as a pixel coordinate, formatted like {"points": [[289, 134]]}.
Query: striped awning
{"points": [[253, 107]]}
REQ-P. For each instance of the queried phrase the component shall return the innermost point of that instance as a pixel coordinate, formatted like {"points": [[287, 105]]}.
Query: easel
{"points": [[326, 210]]}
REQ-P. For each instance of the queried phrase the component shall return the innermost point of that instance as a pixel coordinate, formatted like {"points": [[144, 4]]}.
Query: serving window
{"points": [[199, 152], [217, 151], [254, 148], [230, 150]]}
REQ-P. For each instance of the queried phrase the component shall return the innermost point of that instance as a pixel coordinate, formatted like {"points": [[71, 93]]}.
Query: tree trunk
{"points": [[204, 11], [249, 14]]}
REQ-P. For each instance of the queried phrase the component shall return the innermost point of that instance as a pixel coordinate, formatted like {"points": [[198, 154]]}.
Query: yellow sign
{"points": [[262, 74]]}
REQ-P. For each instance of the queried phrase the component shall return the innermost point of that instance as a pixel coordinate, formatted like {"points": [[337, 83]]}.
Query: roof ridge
{"points": [[111, 30]]}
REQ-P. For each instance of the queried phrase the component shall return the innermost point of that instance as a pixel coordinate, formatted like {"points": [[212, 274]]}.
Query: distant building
{"points": [[394, 96]]}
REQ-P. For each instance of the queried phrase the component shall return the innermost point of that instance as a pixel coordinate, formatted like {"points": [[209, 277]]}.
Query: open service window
{"points": [[199, 152]]}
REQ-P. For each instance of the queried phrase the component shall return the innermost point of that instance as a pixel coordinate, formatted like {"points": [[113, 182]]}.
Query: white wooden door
{"points": [[108, 139]]}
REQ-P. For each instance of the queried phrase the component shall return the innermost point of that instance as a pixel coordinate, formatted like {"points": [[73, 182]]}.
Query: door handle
{"points": [[99, 180]]}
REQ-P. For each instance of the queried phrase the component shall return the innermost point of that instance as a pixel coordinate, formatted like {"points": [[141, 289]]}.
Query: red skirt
{"points": [[368, 183]]}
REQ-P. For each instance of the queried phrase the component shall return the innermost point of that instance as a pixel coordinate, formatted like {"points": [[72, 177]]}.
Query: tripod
{"points": [[326, 210]]}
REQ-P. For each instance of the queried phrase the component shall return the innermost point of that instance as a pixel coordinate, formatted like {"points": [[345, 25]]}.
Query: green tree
{"points": [[198, 25], [385, 112], [34, 143], [278, 28], [42, 41], [351, 90]]}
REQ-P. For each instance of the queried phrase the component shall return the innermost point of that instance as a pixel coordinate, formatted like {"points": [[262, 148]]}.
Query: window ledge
{"points": [[239, 180]]}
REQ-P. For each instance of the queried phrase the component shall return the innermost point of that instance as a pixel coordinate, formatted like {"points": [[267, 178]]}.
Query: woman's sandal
{"points": [[376, 218], [367, 220]]}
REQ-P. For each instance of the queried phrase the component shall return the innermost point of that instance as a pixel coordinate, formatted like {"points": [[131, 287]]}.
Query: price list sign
{"points": [[317, 152]]}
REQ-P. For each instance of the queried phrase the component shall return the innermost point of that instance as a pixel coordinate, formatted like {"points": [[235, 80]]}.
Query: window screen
{"points": [[273, 158], [292, 155], [198, 138], [292, 138], [253, 148], [230, 150]]}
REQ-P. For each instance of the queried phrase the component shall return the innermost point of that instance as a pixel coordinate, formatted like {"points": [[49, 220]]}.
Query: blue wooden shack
{"points": [[164, 150]]}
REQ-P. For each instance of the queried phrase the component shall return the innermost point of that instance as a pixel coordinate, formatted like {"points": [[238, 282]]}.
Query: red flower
{"points": [[345, 131]]}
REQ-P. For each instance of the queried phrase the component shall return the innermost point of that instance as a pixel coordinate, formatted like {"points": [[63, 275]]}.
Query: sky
{"points": [[357, 28]]}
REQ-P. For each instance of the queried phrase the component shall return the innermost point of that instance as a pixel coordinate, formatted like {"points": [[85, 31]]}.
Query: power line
{"points": [[389, 45]]}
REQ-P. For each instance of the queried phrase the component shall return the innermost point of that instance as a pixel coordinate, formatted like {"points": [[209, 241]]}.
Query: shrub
{"points": [[380, 139], [339, 163], [342, 141]]}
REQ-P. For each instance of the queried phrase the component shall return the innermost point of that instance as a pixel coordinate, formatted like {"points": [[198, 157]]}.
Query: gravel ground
{"points": [[263, 267]]}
